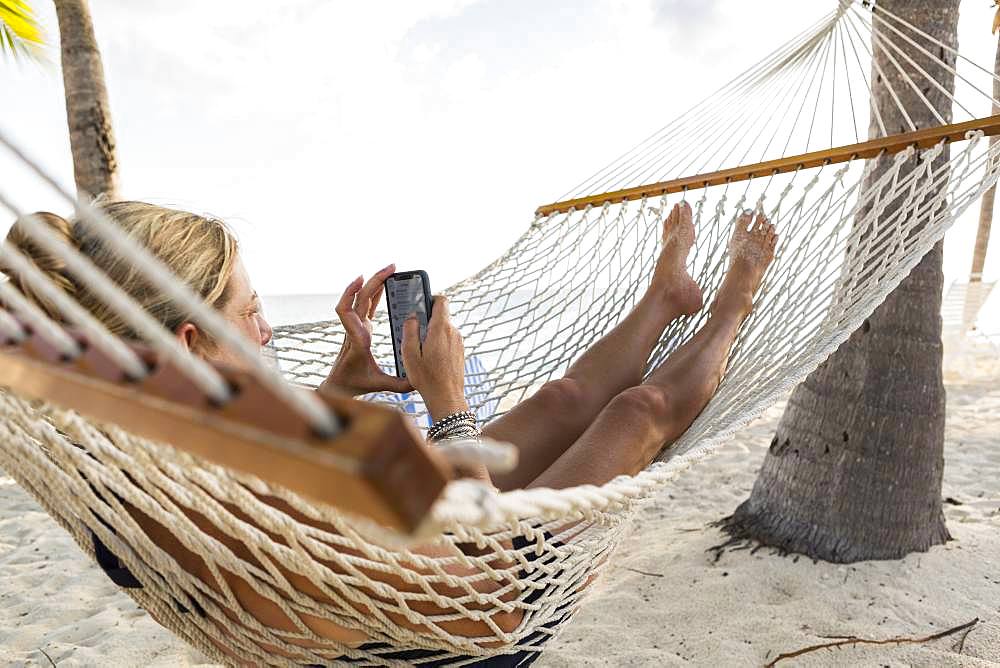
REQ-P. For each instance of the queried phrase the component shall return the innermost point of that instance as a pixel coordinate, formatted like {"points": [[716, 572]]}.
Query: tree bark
{"points": [[95, 165], [854, 470]]}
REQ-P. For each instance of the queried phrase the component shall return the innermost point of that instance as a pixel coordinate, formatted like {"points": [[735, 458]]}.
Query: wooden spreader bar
{"points": [[377, 467], [870, 149]]}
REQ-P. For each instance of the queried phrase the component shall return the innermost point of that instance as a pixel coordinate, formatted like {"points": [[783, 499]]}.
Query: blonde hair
{"points": [[201, 251]]}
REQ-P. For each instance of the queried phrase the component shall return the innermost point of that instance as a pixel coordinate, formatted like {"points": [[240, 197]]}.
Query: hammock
{"points": [[961, 306], [855, 217]]}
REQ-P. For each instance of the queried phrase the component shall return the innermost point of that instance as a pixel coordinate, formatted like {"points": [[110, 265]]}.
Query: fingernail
{"points": [[389, 266], [747, 212]]}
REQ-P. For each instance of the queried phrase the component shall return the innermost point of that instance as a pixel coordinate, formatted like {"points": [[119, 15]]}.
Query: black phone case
{"points": [[425, 283]]}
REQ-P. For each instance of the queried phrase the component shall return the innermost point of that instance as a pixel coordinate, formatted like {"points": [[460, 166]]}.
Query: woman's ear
{"points": [[188, 334]]}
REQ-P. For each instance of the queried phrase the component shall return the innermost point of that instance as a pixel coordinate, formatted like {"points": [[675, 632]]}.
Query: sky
{"points": [[338, 137]]}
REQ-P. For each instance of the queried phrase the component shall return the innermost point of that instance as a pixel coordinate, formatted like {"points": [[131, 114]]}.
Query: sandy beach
{"points": [[665, 600]]}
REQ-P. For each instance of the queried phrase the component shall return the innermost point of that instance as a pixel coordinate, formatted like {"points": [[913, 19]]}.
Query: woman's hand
{"points": [[436, 369], [355, 370]]}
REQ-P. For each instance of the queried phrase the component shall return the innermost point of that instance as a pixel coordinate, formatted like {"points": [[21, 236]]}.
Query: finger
{"points": [[352, 324], [363, 302], [440, 312], [377, 298], [353, 327], [379, 289], [411, 341], [346, 301]]}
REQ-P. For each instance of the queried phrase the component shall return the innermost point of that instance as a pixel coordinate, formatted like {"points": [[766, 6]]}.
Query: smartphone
{"points": [[407, 292]]}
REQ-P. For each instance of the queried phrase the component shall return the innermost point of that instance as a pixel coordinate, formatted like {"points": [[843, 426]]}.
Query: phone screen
{"points": [[406, 293]]}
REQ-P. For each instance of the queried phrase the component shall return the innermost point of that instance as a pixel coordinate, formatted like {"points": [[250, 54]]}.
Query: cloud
{"points": [[508, 37], [686, 19]]}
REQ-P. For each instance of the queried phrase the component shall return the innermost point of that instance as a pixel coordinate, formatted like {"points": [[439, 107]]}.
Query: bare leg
{"points": [[639, 421], [548, 422]]}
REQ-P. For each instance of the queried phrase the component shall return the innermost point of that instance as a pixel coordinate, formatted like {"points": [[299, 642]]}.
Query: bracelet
{"points": [[456, 425], [462, 428], [463, 416], [458, 431]]}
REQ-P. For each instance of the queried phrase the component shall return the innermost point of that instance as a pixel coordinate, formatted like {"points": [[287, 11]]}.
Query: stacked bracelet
{"points": [[457, 425]]}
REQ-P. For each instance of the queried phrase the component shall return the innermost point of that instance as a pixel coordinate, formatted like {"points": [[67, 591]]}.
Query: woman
{"points": [[599, 421]]}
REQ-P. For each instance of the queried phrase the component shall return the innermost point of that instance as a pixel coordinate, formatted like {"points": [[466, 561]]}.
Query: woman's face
{"points": [[243, 311]]}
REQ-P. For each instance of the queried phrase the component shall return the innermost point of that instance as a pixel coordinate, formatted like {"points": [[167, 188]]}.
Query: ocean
{"points": [[296, 309]]}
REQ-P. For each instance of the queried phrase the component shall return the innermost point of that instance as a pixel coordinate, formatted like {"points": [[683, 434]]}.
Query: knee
{"points": [[563, 399], [649, 405]]}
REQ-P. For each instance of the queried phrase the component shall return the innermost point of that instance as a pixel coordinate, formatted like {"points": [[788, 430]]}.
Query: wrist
{"points": [[442, 407]]}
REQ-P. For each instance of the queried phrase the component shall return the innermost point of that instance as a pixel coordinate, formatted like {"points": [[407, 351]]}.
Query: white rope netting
{"points": [[500, 573]]}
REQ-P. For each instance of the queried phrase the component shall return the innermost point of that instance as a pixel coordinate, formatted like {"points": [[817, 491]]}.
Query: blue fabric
{"points": [[477, 392]]}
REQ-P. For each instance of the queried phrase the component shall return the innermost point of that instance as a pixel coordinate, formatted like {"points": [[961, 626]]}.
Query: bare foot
{"points": [[670, 277], [751, 251]]}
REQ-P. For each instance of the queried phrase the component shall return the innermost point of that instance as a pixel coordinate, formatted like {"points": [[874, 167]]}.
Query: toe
{"points": [[743, 222], [670, 221]]}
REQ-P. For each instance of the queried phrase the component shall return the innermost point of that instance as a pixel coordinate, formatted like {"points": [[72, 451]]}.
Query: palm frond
{"points": [[20, 33]]}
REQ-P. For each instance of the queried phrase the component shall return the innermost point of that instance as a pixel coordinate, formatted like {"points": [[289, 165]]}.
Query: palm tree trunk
{"points": [[983, 233], [95, 165], [854, 471], [974, 295]]}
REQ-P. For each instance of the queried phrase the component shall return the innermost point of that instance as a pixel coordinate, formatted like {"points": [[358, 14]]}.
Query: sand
{"points": [[665, 600]]}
